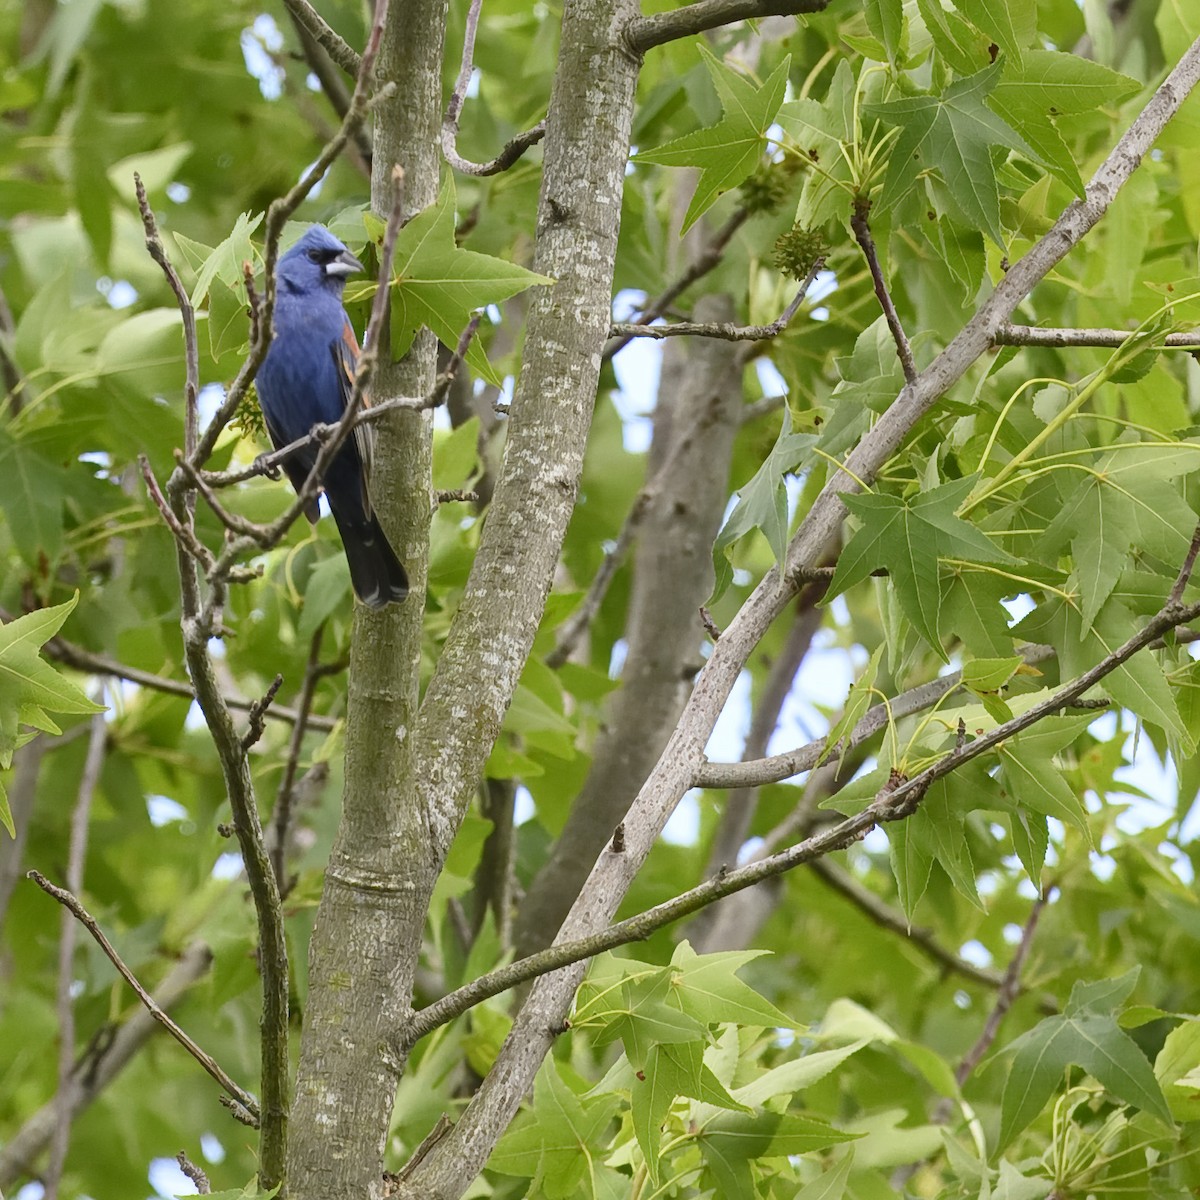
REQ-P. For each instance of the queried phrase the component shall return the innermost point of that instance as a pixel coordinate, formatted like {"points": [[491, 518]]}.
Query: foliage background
{"points": [[1088, 531]]}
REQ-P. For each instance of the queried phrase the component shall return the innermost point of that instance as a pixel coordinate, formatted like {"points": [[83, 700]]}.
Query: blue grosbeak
{"points": [[307, 379]]}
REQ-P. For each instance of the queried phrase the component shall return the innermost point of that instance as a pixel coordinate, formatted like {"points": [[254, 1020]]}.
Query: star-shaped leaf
{"points": [[437, 284], [1086, 1035], [557, 1143], [728, 151], [1045, 85], [908, 539], [762, 503], [955, 134], [1029, 773]]}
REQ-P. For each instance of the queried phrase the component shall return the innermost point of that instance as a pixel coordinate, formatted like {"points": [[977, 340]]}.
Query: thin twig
{"points": [[862, 233], [335, 46], [154, 245], [76, 852], [184, 534], [194, 1173], [705, 261], [1036, 335], [277, 830], [1185, 572], [725, 330], [86, 919], [1010, 989], [258, 714], [644, 33], [63, 651], [513, 150]]}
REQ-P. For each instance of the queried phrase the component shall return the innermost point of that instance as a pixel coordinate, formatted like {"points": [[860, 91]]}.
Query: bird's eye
{"points": [[314, 256]]}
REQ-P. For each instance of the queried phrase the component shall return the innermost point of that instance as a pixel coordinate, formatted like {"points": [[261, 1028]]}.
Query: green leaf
{"points": [[725, 153], [224, 262], [32, 500], [792, 1077], [762, 504], [730, 1142], [438, 285], [954, 133], [706, 988], [671, 1070], [29, 687], [1086, 1035], [555, 1143], [156, 167], [1012, 23], [1028, 770], [885, 19], [908, 539], [1046, 85]]}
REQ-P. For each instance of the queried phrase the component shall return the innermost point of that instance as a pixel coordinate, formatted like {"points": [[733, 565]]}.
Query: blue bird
{"points": [[306, 379]]}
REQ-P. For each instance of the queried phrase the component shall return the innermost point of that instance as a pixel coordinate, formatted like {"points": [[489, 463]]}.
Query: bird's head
{"points": [[318, 260]]}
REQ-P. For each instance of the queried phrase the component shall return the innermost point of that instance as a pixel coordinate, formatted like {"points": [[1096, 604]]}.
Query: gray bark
{"points": [[364, 949]]}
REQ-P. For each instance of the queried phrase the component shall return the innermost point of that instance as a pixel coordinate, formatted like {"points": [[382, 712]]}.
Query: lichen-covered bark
{"points": [[586, 148], [699, 399], [381, 869]]}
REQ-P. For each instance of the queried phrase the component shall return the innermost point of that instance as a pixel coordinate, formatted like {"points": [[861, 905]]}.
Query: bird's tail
{"points": [[377, 574]]}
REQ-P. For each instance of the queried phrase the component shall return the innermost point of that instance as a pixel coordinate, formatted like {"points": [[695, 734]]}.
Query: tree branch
{"points": [[513, 150], [862, 233], [1036, 335], [645, 33], [63, 651], [725, 330], [895, 802], [311, 21], [708, 258], [89, 922]]}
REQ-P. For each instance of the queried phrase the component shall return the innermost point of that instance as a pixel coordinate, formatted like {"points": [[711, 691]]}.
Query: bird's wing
{"points": [[345, 353]]}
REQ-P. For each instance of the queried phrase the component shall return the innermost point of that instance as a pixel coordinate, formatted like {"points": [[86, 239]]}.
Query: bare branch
{"points": [[89, 922], [645, 33], [258, 713], [61, 650], [513, 150], [1185, 572], [154, 245], [314, 25], [194, 1173], [725, 330], [1036, 335], [705, 261], [862, 233]]}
